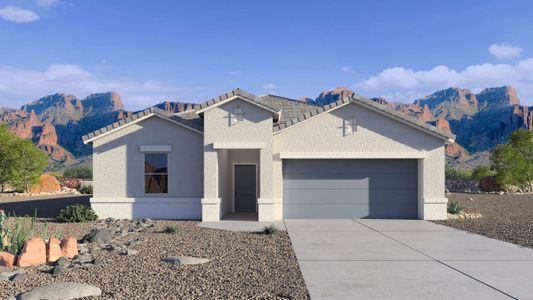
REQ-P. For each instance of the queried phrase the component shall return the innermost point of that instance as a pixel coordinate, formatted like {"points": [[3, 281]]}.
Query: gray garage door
{"points": [[339, 188]]}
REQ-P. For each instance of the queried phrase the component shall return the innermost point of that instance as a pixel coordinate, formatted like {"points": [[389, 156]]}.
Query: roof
{"points": [[371, 105], [288, 112], [184, 119]]}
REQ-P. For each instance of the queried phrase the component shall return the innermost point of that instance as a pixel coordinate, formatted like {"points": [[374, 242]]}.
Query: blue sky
{"points": [[149, 51]]}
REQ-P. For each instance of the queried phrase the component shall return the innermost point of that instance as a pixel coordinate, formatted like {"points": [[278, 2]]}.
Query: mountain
{"points": [[480, 121], [55, 123]]}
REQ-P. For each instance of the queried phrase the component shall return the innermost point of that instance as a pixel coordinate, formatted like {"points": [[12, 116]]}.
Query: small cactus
{"points": [[2, 234]]}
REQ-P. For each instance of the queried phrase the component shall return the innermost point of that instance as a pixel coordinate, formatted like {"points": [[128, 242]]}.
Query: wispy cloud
{"points": [[404, 84], [504, 51], [19, 86], [269, 86], [18, 15], [48, 2], [346, 69]]}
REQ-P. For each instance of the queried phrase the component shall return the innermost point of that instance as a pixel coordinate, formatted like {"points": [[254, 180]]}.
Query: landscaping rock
{"points": [[185, 260], [62, 261], [17, 277], [59, 269], [33, 253], [129, 252], [8, 275], [99, 236], [69, 247], [53, 250], [63, 291], [47, 183], [7, 259]]}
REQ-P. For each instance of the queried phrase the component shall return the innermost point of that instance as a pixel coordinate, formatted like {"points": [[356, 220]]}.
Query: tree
{"points": [[480, 172], [7, 156], [30, 163], [513, 162]]}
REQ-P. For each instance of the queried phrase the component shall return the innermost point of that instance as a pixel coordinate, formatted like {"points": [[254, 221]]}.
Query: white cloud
{"points": [[18, 15], [346, 69], [269, 86], [504, 51], [19, 86], [403, 84], [48, 2]]}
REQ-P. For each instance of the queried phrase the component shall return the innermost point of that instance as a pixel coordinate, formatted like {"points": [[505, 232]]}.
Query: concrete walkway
{"points": [[407, 259], [241, 222]]}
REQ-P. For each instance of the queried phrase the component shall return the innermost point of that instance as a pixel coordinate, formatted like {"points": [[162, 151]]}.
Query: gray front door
{"points": [[350, 188], [245, 188]]}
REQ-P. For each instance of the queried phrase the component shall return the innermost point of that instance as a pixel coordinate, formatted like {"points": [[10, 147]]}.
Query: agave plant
{"points": [[454, 207]]}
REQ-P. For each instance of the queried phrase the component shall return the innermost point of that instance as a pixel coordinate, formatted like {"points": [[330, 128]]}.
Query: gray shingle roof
{"points": [[241, 93]]}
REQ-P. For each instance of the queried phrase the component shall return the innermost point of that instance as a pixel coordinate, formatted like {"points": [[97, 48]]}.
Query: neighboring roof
{"points": [[200, 108], [183, 119], [371, 105], [288, 111]]}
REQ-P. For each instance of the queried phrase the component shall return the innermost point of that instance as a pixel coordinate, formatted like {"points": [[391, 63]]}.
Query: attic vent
{"points": [[236, 116], [350, 126]]}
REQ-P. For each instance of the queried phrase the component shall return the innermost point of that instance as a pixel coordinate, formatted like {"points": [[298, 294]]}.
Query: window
{"points": [[155, 173]]}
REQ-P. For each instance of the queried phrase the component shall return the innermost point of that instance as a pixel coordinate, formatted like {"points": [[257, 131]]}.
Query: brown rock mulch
{"points": [[243, 266], [505, 217]]}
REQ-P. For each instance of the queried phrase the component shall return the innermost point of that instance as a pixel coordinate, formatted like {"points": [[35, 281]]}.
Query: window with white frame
{"points": [[156, 173]]}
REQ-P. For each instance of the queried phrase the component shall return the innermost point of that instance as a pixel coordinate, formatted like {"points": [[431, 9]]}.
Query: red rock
{"points": [[426, 115], [7, 259], [53, 250], [443, 124], [47, 183], [69, 247], [33, 253]]}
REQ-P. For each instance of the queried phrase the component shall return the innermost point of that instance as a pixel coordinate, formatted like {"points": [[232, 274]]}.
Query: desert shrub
{"points": [[458, 174], [480, 172], [88, 189], [79, 172], [454, 207], [513, 162], [76, 213], [171, 229], [270, 229]]}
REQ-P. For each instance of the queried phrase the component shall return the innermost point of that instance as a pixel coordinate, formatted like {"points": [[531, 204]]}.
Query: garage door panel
{"points": [[338, 181], [344, 211], [341, 188], [382, 197]]}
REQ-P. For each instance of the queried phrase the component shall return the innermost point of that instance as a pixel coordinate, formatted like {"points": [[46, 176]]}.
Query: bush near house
{"points": [[21, 163], [513, 162], [76, 213], [87, 190], [79, 172]]}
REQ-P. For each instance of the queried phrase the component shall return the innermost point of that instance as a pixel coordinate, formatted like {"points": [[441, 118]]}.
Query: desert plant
{"points": [[270, 229], [171, 229], [454, 207], [79, 172], [2, 233], [480, 172], [88, 189], [76, 213], [19, 231], [513, 162], [457, 174]]}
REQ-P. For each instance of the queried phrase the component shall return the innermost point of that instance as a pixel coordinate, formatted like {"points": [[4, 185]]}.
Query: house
{"points": [[272, 156]]}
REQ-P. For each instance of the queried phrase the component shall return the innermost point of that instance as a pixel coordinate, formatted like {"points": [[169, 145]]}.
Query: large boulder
{"points": [[489, 184], [53, 250], [33, 253], [69, 247], [64, 291], [47, 183], [98, 236], [7, 259]]}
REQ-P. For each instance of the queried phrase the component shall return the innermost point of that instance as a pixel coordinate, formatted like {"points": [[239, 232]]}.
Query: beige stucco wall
{"points": [[118, 166], [377, 136], [256, 128]]}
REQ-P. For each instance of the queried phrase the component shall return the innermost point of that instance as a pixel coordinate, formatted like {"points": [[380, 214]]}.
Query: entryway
{"points": [[245, 188]]}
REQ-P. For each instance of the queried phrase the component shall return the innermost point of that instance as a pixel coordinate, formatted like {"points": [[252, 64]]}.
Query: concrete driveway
{"points": [[407, 259]]}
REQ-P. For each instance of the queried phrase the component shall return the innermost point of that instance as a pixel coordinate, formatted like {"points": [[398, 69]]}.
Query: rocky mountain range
{"points": [[55, 123]]}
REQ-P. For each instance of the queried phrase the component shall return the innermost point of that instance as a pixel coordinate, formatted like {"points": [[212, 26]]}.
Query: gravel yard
{"points": [[243, 266], [505, 217]]}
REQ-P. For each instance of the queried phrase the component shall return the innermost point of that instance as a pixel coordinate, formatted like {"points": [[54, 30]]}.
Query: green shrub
{"points": [[480, 172], [458, 174], [171, 229], [88, 189], [454, 207], [79, 172], [270, 229], [76, 213]]}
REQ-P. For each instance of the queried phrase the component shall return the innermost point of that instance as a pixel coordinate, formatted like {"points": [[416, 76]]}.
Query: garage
{"points": [[350, 188]]}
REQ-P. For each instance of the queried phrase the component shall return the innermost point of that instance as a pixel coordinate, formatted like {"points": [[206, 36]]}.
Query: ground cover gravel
{"points": [[505, 217], [243, 266]]}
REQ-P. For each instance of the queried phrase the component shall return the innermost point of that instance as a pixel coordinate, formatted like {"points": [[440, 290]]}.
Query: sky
{"points": [[150, 51]]}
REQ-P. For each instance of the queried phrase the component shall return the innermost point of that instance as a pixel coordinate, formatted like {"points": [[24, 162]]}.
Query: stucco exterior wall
{"points": [[118, 166], [377, 136], [255, 128]]}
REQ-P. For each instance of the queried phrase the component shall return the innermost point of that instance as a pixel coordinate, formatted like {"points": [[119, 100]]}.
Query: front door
{"points": [[245, 188]]}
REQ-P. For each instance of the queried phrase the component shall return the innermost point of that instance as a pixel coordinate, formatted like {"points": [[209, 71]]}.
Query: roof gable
{"points": [[237, 94]]}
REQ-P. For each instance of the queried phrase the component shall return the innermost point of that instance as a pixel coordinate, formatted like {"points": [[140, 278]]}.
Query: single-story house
{"points": [[272, 156]]}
